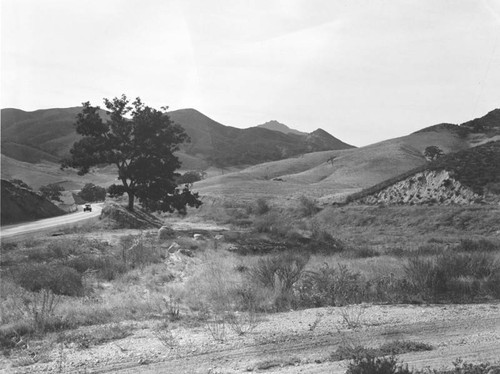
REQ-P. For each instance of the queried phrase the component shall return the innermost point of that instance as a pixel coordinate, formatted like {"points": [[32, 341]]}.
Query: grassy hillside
{"points": [[477, 168], [223, 145], [20, 204], [332, 173]]}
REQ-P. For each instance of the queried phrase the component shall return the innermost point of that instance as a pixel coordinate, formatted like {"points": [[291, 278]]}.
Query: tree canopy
{"points": [[90, 192], [52, 191], [140, 142], [433, 152]]}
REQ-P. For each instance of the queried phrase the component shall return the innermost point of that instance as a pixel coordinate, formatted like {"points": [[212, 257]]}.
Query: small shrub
{"points": [[163, 332], [217, 328], [307, 207], [261, 207], [363, 252], [482, 245], [453, 276], [59, 279], [399, 347], [324, 242], [376, 365], [279, 273], [329, 286], [242, 323], [272, 223], [285, 268]]}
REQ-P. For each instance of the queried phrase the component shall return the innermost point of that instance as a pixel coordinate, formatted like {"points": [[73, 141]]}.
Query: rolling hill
{"points": [[244, 163], [333, 175], [47, 135], [462, 177]]}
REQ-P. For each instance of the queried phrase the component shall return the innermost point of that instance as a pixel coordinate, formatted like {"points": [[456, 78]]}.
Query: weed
{"points": [[242, 323], [352, 316], [217, 328], [163, 332]]}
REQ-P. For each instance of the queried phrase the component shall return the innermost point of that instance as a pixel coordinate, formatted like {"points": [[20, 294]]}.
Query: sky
{"points": [[364, 71]]}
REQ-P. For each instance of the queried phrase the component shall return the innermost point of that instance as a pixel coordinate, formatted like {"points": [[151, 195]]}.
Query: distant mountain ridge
{"points": [[278, 126], [49, 134]]}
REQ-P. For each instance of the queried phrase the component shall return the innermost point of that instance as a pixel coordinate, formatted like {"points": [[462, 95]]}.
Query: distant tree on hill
{"points": [[140, 142], [433, 152], [90, 192], [52, 191], [189, 177]]}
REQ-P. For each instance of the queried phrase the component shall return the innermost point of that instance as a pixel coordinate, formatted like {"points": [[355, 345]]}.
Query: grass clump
{"points": [[329, 286], [458, 277]]}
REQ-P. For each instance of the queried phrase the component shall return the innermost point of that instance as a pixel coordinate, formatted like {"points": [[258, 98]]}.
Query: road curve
{"points": [[50, 223]]}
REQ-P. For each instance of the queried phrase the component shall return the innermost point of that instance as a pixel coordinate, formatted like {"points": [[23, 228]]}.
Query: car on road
{"points": [[87, 207]]}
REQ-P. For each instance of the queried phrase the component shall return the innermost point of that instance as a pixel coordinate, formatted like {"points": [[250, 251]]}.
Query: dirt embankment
{"points": [[426, 187], [21, 205]]}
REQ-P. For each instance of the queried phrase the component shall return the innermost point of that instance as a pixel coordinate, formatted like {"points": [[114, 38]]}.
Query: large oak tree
{"points": [[140, 141]]}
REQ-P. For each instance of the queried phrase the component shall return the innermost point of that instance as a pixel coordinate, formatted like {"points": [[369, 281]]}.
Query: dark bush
{"points": [[376, 365], [482, 245], [106, 267], [453, 276], [307, 207], [285, 268], [59, 279], [262, 207]]}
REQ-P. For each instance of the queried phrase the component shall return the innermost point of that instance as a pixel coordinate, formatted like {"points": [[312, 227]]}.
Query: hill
{"points": [[21, 204], [331, 175], [461, 177], [47, 135], [278, 126], [225, 146]]}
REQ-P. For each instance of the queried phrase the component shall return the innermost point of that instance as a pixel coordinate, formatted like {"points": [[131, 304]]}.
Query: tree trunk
{"points": [[131, 201]]}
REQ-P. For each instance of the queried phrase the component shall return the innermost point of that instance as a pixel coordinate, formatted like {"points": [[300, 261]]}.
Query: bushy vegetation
{"points": [[477, 168], [367, 363], [90, 193], [52, 191]]}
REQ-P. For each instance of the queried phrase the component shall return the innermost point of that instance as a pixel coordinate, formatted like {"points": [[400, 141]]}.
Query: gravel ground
{"points": [[291, 342]]}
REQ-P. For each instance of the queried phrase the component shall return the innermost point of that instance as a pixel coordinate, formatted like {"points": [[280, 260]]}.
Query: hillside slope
{"points": [[462, 177], [224, 146], [20, 205], [331, 173]]}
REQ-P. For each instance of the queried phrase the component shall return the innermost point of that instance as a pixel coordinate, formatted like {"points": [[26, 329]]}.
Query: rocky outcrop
{"points": [[427, 187], [121, 217], [21, 204]]}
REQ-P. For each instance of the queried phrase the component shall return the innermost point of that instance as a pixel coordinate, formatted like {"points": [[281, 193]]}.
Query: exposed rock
{"points": [[186, 252], [219, 237], [198, 237], [174, 247], [428, 187], [123, 218], [165, 232]]}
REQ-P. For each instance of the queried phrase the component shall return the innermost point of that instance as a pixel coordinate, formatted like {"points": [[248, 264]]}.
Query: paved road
{"points": [[50, 223]]}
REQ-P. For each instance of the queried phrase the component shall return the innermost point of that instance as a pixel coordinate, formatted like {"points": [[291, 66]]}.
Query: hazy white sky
{"points": [[362, 70]]}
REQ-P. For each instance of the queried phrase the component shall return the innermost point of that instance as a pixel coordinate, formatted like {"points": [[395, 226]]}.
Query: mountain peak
{"points": [[280, 127]]}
